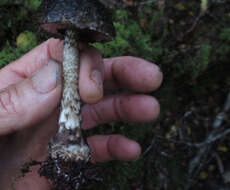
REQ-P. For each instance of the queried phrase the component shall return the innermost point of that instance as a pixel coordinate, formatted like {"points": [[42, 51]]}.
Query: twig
{"points": [[219, 164], [150, 147], [196, 21], [197, 163]]}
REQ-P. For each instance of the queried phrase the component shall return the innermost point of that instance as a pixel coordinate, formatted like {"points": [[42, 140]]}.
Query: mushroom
{"points": [[75, 21]]}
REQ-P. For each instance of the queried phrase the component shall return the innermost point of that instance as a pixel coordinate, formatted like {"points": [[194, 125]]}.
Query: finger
{"points": [[31, 62], [134, 108], [91, 75], [132, 73], [31, 100], [113, 147]]}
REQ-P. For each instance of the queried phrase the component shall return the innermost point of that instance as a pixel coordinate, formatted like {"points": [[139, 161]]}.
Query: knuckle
{"points": [[117, 108], [8, 99], [96, 115]]}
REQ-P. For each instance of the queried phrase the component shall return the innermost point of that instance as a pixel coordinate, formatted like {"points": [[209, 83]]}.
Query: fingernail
{"points": [[47, 78], [96, 76]]}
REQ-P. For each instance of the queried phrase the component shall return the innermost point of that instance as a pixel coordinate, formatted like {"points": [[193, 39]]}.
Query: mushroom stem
{"points": [[69, 143]]}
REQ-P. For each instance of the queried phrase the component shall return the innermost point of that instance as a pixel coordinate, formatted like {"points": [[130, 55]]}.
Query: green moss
{"points": [[33, 4], [197, 65], [132, 39], [15, 16], [225, 34], [7, 55], [25, 41]]}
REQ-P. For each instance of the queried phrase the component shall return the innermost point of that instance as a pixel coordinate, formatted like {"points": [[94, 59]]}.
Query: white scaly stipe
{"points": [[69, 142]]}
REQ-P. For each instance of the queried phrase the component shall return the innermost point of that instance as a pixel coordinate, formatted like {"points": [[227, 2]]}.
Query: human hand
{"points": [[30, 92]]}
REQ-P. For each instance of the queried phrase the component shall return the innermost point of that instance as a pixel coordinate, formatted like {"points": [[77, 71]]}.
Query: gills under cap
{"points": [[89, 18]]}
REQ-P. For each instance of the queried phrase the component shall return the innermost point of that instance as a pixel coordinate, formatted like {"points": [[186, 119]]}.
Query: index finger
{"points": [[32, 61], [132, 73]]}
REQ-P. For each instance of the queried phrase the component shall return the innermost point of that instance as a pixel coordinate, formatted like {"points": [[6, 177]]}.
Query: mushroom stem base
{"points": [[70, 175]]}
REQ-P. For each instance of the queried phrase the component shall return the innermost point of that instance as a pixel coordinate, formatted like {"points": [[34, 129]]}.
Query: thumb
{"points": [[32, 100]]}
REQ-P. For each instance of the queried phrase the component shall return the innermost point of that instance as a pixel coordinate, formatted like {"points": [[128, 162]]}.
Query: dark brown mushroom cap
{"points": [[89, 17]]}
